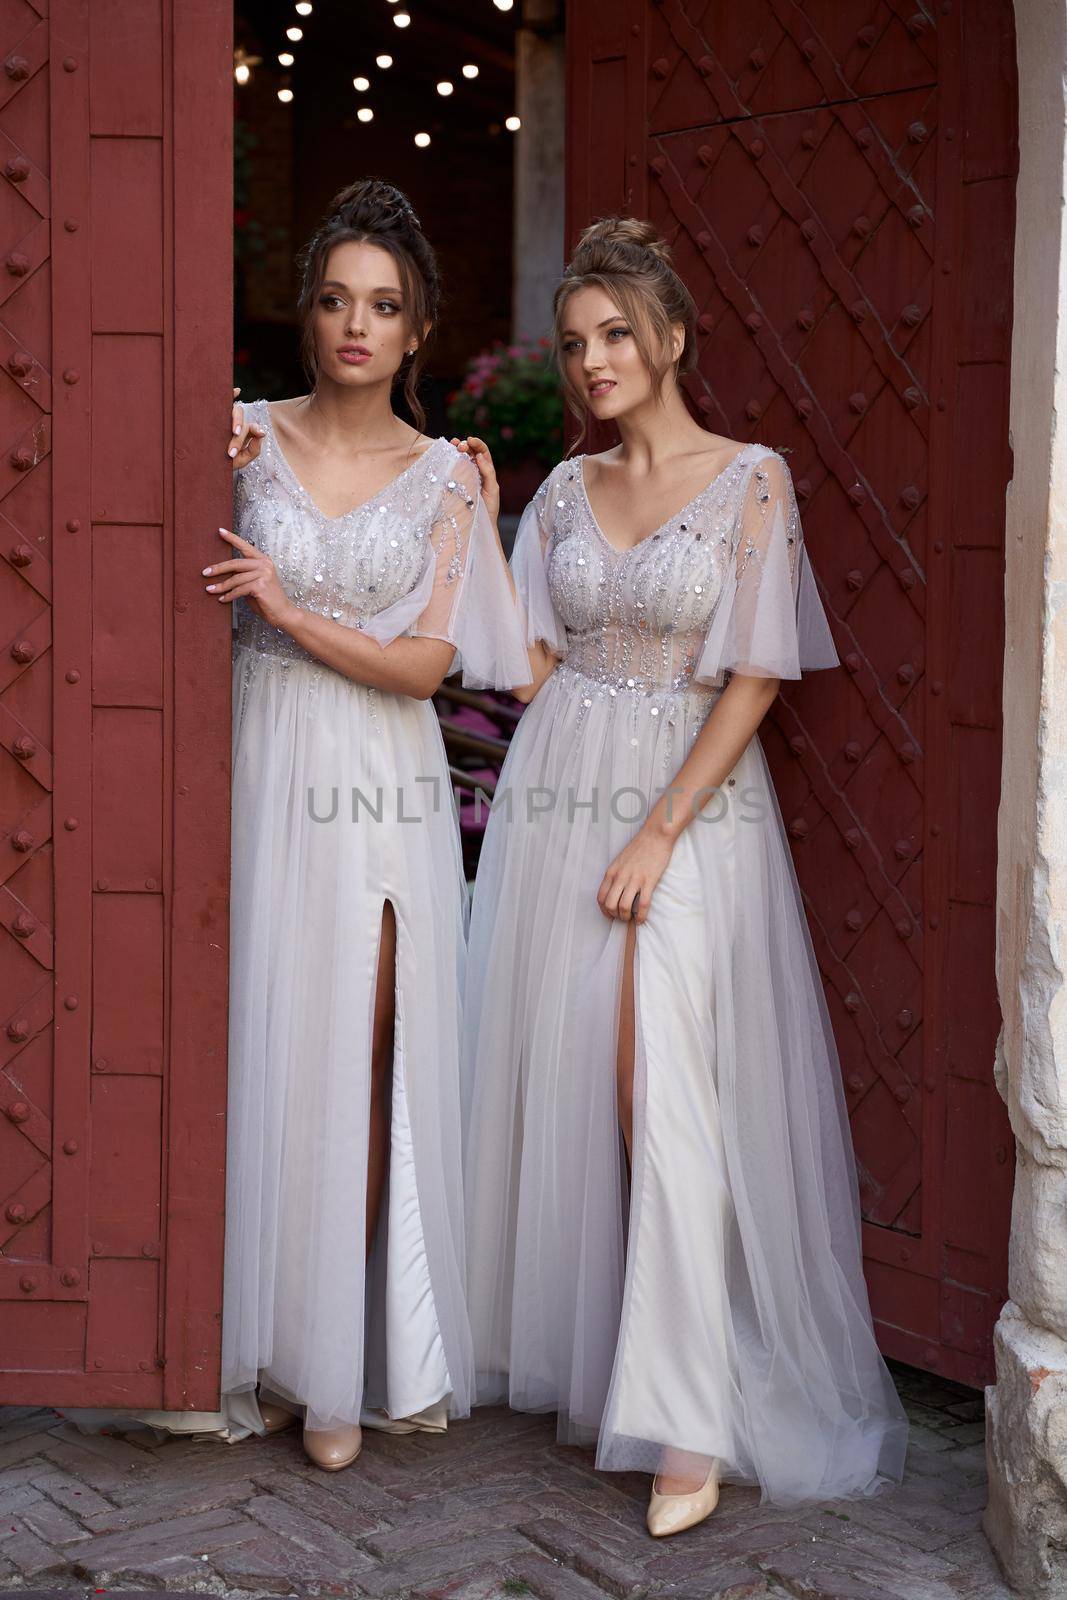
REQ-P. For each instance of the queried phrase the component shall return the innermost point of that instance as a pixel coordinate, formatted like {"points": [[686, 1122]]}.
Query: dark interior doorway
{"points": [[300, 137]]}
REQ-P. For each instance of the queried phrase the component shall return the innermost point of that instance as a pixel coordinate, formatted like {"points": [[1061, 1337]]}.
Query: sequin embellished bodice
{"points": [[637, 618], [347, 568]]}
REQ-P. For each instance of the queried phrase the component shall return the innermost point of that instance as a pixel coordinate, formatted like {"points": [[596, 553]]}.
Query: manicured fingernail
{"points": [[210, 588], [224, 530], [207, 572]]}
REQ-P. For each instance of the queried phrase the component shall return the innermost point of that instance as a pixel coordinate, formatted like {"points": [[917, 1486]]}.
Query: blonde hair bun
{"points": [[633, 231]]}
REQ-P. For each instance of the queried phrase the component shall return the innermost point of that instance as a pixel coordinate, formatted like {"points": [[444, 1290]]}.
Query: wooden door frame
{"points": [[201, 500]]}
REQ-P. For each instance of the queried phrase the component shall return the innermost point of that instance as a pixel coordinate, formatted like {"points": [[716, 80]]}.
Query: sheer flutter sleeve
{"points": [[463, 595], [539, 617], [769, 620]]}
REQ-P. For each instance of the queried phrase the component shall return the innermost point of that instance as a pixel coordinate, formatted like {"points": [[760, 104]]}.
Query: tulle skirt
{"points": [[712, 1302], [341, 801]]}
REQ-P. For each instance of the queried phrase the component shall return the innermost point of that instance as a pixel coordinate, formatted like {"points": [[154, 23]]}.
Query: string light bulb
{"points": [[444, 87], [361, 84], [422, 140], [513, 124], [383, 62], [365, 114], [402, 18], [243, 64], [294, 34], [303, 8], [470, 70], [285, 95], [503, 5], [286, 58]]}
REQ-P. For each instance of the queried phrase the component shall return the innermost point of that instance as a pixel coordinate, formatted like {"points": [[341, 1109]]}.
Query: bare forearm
{"points": [[719, 746], [542, 665], [413, 667]]}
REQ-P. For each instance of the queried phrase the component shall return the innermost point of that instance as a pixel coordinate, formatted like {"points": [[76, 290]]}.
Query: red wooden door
{"points": [[824, 171], [114, 697]]}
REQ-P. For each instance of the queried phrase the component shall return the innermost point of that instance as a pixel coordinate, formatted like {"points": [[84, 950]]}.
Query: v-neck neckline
{"points": [[629, 550], [363, 504]]}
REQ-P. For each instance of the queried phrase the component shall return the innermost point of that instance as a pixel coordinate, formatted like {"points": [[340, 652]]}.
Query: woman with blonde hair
{"points": [[661, 1201]]}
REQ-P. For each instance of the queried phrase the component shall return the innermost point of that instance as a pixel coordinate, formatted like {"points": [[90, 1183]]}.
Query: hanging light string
{"points": [[243, 64], [286, 58]]}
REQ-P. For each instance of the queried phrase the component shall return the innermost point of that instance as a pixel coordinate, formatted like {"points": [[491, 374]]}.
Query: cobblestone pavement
{"points": [[493, 1509]]}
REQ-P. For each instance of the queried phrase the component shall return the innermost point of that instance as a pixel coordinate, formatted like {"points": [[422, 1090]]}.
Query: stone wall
{"points": [[1026, 1519]]}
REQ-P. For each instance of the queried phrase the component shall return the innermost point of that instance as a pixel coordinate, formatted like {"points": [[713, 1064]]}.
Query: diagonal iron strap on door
{"points": [[114, 699], [822, 172]]}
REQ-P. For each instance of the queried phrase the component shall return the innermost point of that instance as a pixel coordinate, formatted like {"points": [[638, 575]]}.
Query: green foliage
{"points": [[510, 397]]}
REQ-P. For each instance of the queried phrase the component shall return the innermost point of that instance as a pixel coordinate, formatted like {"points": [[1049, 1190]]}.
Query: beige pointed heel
{"points": [[434, 1419], [275, 1418], [382, 1422], [672, 1513], [333, 1450]]}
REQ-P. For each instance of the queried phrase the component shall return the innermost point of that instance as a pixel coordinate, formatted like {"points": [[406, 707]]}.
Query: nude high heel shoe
{"points": [[382, 1422], [671, 1513], [434, 1419], [275, 1418], [335, 1449]]}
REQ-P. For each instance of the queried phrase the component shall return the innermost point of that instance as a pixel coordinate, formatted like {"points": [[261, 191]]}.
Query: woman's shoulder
{"points": [[258, 409], [766, 458], [564, 472], [766, 477], [458, 473]]}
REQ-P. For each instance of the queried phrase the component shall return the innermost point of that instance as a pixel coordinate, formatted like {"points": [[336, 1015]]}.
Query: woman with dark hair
{"points": [[363, 569], [663, 1235]]}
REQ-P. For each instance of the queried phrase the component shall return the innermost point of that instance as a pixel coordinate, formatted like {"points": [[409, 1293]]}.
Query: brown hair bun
{"points": [[598, 238]]}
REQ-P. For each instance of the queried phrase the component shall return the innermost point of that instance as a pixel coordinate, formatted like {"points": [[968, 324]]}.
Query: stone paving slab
{"points": [[493, 1510]]}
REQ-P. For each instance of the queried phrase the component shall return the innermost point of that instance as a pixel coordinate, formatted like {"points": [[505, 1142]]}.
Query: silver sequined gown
{"points": [[341, 801], [714, 1304]]}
